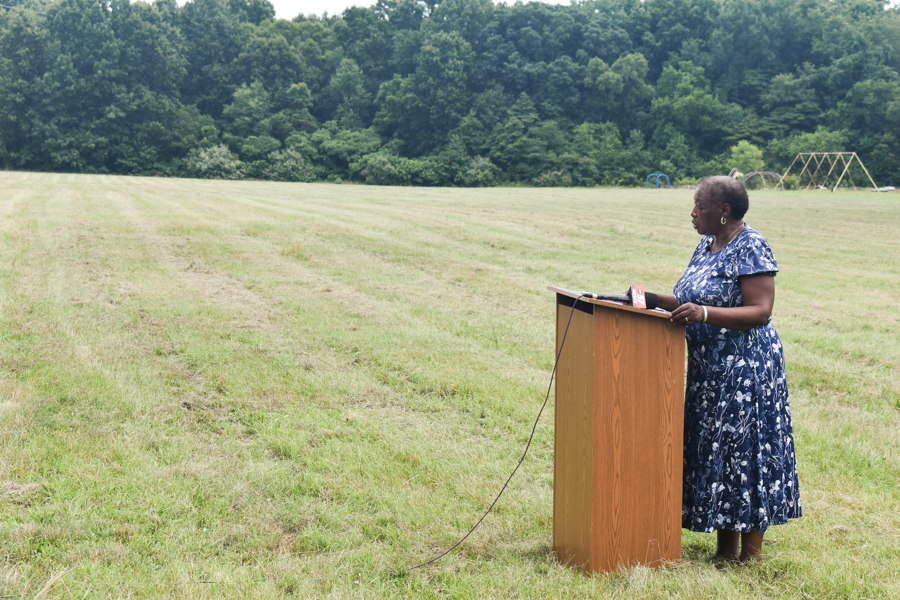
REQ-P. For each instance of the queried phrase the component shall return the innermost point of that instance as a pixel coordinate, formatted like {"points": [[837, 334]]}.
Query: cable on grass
{"points": [[527, 446]]}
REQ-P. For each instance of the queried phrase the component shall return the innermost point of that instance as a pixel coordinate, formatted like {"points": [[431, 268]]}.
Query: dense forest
{"points": [[456, 92]]}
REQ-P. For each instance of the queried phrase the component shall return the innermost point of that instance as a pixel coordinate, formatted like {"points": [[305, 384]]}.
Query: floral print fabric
{"points": [[739, 467]]}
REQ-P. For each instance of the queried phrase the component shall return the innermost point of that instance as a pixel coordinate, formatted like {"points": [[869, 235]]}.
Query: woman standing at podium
{"points": [[740, 474]]}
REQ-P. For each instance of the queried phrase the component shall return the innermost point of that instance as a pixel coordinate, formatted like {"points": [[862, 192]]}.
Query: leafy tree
{"points": [[791, 102], [468, 18], [367, 38], [664, 29], [755, 39], [347, 93], [481, 172], [597, 154], [678, 159], [377, 169], [603, 34], [252, 11], [25, 56], [249, 111], [339, 148], [455, 162], [296, 102], [746, 157], [434, 98], [259, 147], [267, 58], [555, 178], [301, 143], [443, 70], [871, 115], [472, 133], [515, 146], [491, 106], [619, 91], [217, 162], [403, 14], [685, 106], [637, 159], [213, 39], [783, 152], [398, 108], [76, 99], [151, 48], [458, 92], [288, 165], [560, 96]]}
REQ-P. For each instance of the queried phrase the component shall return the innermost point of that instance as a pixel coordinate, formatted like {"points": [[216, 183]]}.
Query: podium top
{"points": [[656, 312]]}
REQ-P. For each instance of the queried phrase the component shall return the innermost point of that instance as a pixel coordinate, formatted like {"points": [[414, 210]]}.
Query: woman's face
{"points": [[706, 215]]}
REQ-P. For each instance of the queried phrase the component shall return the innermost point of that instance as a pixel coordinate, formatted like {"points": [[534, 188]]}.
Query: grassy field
{"points": [[262, 390]]}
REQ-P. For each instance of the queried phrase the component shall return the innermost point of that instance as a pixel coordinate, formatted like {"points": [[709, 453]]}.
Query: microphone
{"points": [[641, 299], [609, 297], [651, 300]]}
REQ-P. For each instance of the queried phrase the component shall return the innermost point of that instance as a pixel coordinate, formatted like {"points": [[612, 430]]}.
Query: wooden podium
{"points": [[618, 437]]}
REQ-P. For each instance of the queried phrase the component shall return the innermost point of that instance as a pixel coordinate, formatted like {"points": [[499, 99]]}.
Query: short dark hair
{"points": [[723, 189]]}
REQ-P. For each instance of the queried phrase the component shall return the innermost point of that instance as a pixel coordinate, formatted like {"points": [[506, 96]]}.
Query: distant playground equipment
{"points": [[821, 160], [657, 175], [765, 178]]}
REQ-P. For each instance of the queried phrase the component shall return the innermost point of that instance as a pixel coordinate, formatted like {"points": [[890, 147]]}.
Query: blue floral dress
{"points": [[739, 467]]}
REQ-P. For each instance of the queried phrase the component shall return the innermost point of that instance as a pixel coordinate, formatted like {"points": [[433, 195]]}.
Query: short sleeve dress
{"points": [[740, 472]]}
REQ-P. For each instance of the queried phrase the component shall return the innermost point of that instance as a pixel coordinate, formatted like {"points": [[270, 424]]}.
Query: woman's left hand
{"points": [[758, 292], [687, 314]]}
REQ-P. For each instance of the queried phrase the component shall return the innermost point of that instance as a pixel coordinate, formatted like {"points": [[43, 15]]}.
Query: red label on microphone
{"points": [[637, 297]]}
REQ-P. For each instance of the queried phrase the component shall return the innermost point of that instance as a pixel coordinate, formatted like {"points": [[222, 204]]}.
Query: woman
{"points": [[740, 474]]}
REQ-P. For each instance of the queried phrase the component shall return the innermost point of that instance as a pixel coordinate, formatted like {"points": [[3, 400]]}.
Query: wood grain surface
{"points": [[573, 439], [638, 422], [633, 445]]}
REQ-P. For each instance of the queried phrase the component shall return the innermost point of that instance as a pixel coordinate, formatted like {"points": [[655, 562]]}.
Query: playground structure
{"points": [[829, 160], [657, 175], [765, 178]]}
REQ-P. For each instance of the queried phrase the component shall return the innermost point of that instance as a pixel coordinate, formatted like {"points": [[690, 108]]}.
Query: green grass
{"points": [[258, 390]]}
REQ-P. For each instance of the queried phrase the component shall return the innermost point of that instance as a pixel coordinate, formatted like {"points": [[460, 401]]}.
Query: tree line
{"points": [[452, 92]]}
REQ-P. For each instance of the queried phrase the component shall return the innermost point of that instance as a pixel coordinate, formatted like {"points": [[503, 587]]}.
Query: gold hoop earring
{"points": [[723, 220]]}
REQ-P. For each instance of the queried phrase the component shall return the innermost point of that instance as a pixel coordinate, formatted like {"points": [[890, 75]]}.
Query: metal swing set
{"points": [[821, 161]]}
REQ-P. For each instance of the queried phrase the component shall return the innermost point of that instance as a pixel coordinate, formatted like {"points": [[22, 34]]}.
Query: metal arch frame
{"points": [[762, 175], [657, 175], [833, 159]]}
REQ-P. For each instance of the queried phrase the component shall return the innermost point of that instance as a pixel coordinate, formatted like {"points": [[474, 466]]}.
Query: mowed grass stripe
{"points": [[359, 295], [371, 273], [418, 242], [184, 400], [244, 258]]}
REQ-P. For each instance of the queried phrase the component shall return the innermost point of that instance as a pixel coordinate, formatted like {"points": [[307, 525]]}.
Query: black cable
{"points": [[527, 446]]}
